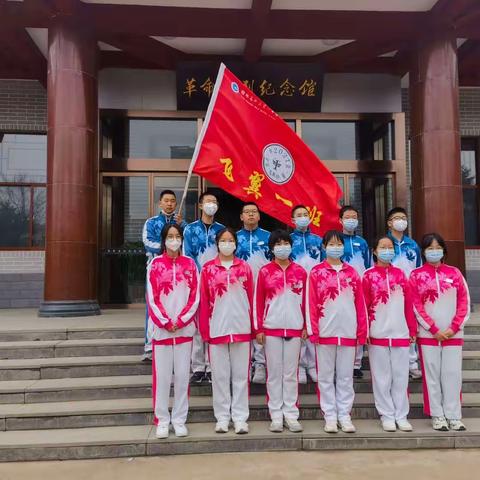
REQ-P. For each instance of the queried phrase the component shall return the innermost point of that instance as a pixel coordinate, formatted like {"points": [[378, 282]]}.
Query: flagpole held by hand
{"points": [[202, 133]]}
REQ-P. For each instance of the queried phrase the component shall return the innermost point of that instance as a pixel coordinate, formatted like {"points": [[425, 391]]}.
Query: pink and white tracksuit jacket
{"points": [[336, 308], [173, 297], [441, 301], [389, 305], [226, 312], [392, 323], [336, 323], [280, 300], [225, 322]]}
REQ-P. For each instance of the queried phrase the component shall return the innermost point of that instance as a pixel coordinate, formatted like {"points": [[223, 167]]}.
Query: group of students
{"points": [[301, 305]]}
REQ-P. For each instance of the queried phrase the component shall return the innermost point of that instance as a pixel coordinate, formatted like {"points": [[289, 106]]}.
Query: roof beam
{"points": [[145, 49], [253, 45]]}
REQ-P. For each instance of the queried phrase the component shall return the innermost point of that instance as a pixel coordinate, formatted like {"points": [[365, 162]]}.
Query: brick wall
{"points": [[23, 106]]}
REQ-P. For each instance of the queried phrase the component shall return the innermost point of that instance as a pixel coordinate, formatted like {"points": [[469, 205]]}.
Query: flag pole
{"points": [[211, 105]]}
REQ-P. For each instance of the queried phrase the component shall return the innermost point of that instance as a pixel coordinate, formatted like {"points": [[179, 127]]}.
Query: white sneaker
{"points": [[440, 424], [389, 425], [162, 431], [456, 425], [347, 426], [293, 425], [180, 430], [415, 373], [302, 375], [276, 426], [241, 427], [330, 427], [146, 357], [221, 427], [260, 375], [312, 373], [404, 425]]}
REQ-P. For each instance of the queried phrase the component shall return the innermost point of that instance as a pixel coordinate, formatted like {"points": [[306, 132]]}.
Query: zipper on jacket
{"points": [[438, 282], [175, 272], [284, 299], [304, 242], [388, 284], [251, 251]]}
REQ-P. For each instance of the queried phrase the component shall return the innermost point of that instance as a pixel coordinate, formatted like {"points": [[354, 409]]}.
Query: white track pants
{"points": [[442, 380], [335, 381], [413, 357], [230, 363], [168, 361], [200, 361], [307, 355], [282, 356], [258, 354], [358, 357], [389, 368]]}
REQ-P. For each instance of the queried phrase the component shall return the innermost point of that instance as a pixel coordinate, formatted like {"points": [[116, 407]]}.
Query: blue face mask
{"points": [[350, 224], [335, 252], [386, 254], [434, 256], [302, 222]]}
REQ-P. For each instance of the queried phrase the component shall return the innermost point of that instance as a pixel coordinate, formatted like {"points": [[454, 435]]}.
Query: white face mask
{"points": [[173, 244], [226, 248], [302, 222], [282, 252], [400, 225], [210, 208]]}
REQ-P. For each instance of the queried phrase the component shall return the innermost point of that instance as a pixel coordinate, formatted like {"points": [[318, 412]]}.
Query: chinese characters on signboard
{"points": [[284, 87]]}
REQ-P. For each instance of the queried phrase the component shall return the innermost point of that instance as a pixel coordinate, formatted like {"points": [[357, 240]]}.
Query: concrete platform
{"points": [[140, 440]]}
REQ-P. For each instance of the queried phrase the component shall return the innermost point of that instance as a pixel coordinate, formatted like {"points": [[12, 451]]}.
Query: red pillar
{"points": [[71, 236], [435, 140]]}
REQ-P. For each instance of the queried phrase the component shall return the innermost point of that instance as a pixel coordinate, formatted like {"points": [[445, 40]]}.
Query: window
{"points": [[471, 190], [23, 159], [161, 138]]}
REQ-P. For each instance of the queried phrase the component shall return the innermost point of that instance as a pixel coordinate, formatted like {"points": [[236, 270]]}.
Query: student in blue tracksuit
{"points": [[252, 246], [357, 254], [152, 230], [407, 258], [199, 243], [306, 251]]}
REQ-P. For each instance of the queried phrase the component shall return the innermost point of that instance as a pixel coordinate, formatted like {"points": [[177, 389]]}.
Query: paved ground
{"points": [[374, 465]]}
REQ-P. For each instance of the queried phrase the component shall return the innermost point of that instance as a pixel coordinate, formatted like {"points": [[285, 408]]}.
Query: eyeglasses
{"points": [[250, 212]]}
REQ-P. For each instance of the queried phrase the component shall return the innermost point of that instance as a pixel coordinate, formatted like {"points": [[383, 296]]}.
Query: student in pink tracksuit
{"points": [[172, 295], [442, 306], [225, 322], [280, 326], [392, 328], [336, 324]]}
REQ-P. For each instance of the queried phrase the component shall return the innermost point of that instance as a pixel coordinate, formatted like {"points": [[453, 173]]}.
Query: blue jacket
{"points": [[306, 248], [152, 230], [253, 248], [357, 253], [199, 243], [407, 254]]}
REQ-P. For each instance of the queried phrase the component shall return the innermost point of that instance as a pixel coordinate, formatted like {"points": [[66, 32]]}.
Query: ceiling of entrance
{"points": [[367, 36]]}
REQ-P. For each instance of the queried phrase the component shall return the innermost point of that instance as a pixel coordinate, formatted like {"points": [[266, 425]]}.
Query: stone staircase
{"points": [[75, 388]]}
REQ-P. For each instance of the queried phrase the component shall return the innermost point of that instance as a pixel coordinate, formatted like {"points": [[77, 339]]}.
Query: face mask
{"points": [[434, 256], [282, 252], [173, 244], [350, 224], [386, 254], [210, 209], [227, 248], [400, 225], [302, 222], [335, 252]]}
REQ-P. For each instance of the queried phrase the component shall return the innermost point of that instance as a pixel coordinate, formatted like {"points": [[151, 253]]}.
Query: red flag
{"points": [[248, 150]]}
